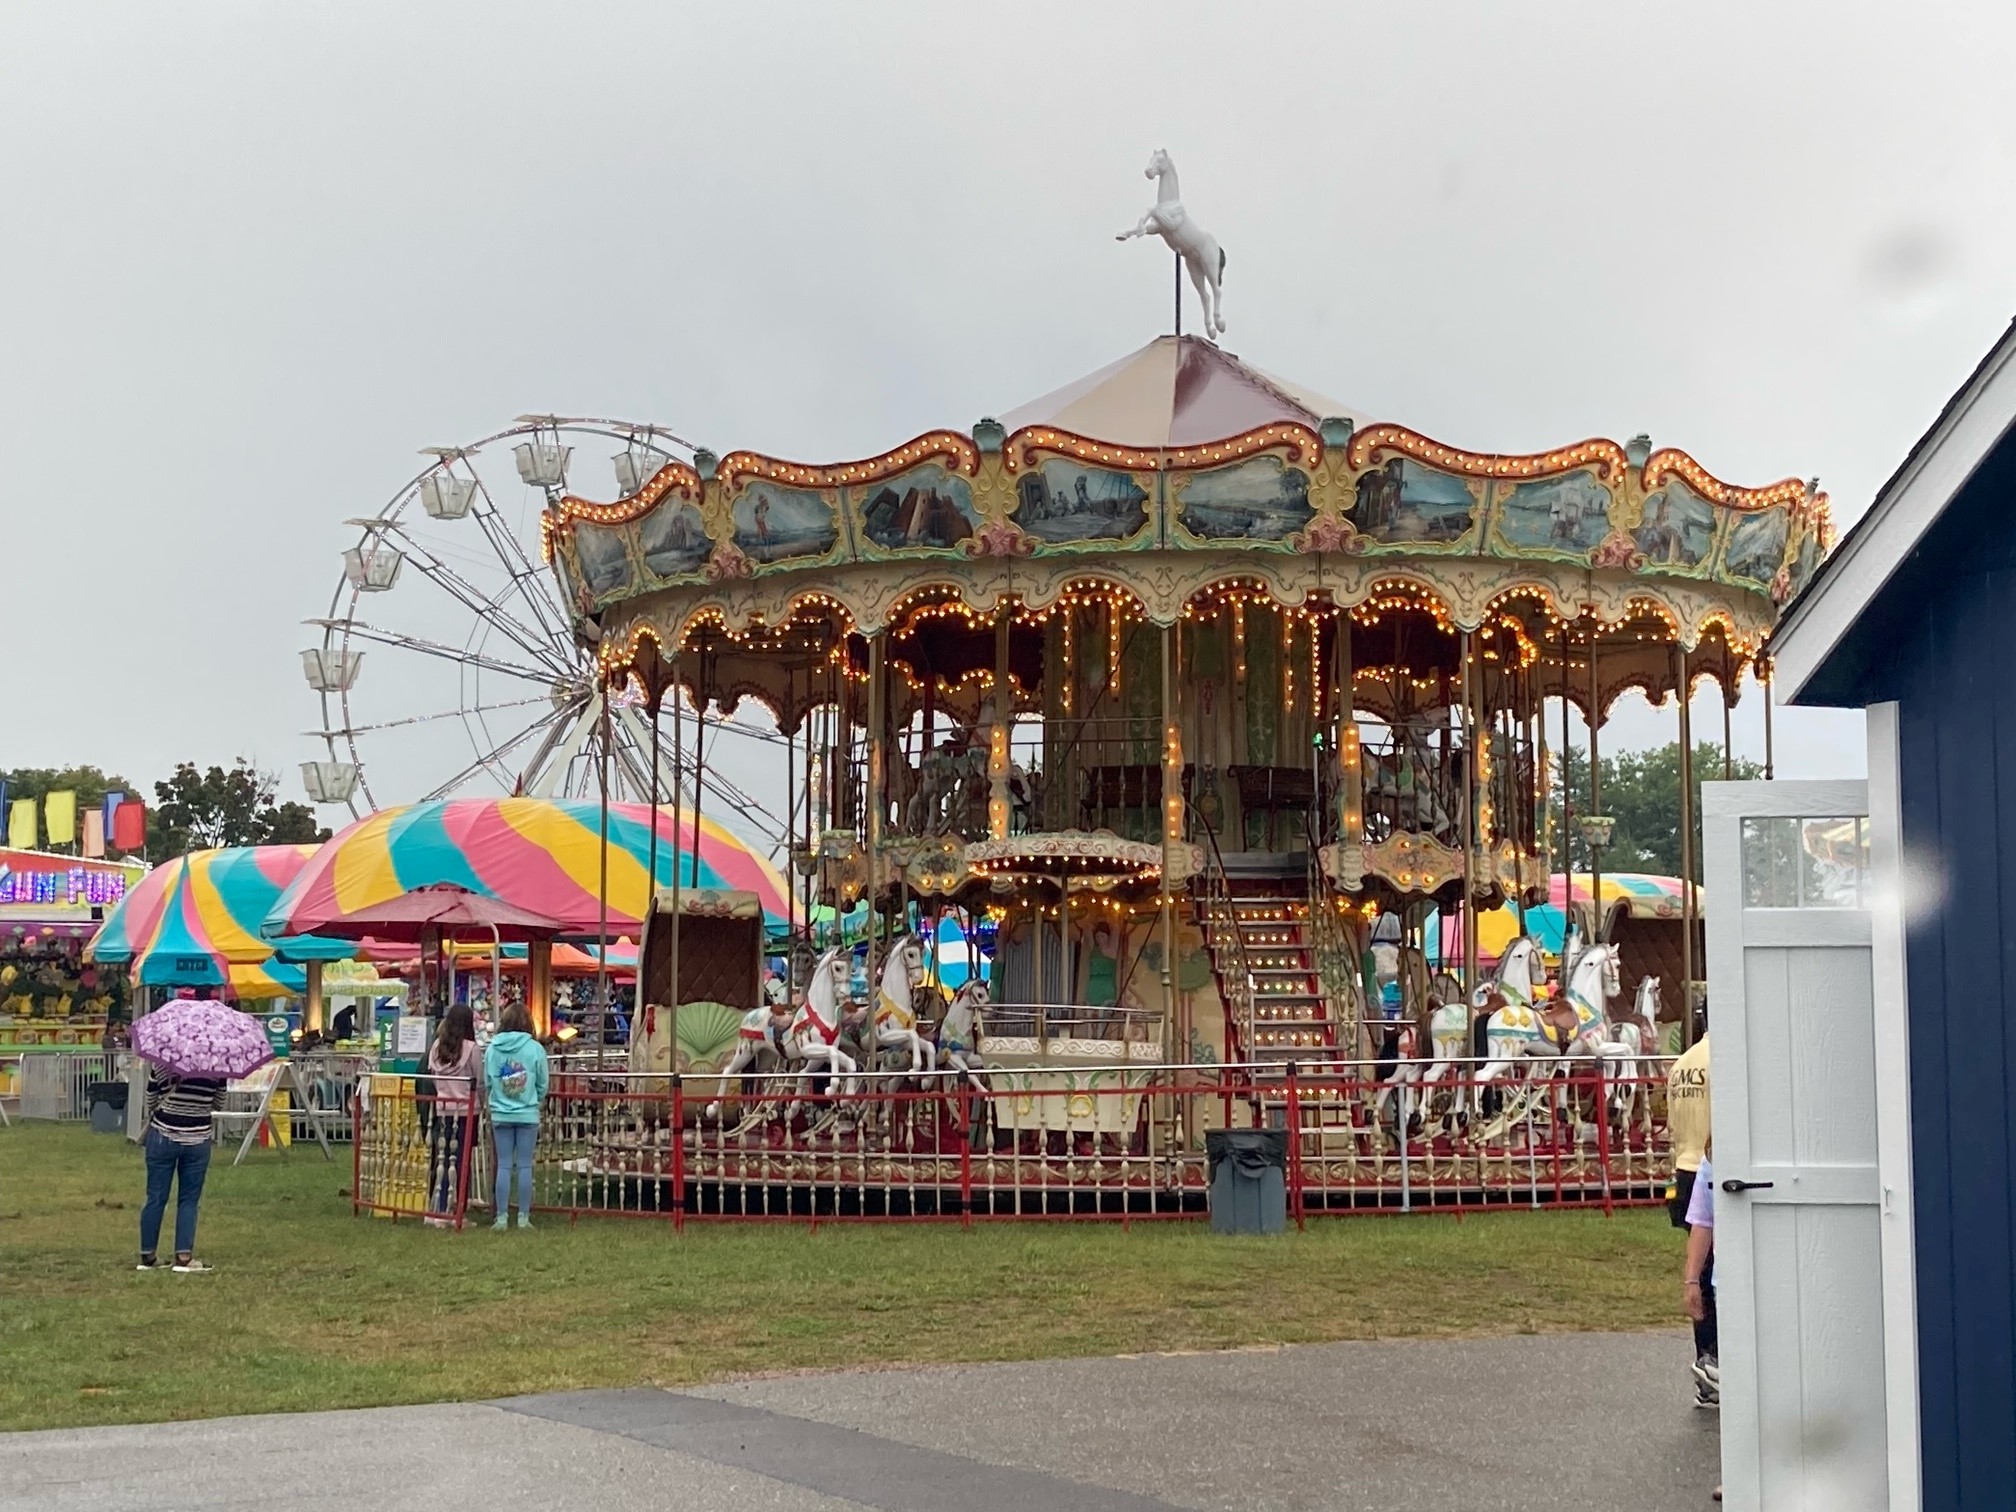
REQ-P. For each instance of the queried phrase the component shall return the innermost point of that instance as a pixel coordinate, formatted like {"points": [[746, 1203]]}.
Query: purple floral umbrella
{"points": [[199, 1037]]}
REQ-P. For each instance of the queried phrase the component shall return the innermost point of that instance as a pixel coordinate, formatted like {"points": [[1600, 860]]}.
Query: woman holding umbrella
{"points": [[194, 1048]]}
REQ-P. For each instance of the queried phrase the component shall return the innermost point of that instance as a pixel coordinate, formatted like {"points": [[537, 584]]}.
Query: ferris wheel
{"points": [[449, 664]]}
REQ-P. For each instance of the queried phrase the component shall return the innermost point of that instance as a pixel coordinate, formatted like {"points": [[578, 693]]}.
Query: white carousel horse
{"points": [[761, 1029], [1634, 1037], [1572, 1027], [1451, 1026], [814, 1035], [895, 1013], [1197, 247], [961, 1030], [1448, 1028]]}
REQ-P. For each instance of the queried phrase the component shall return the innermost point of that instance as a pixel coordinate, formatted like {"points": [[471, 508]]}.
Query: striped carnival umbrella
{"points": [[1643, 894], [538, 854], [195, 922]]}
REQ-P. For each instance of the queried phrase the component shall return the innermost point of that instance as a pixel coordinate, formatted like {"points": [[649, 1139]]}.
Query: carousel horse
{"points": [[960, 1031], [814, 1035], [1635, 1036], [762, 1030], [1571, 1027], [895, 1010], [1199, 250], [1448, 1024]]}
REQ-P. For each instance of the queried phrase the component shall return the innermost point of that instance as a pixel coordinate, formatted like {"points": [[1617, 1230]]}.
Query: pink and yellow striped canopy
{"points": [[542, 855], [196, 920]]}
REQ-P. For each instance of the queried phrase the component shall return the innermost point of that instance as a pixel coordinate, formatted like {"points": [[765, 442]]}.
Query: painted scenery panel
{"points": [[605, 560], [1568, 514], [1756, 546], [1063, 502], [1678, 528], [1805, 560], [777, 524], [674, 541], [927, 507], [1404, 503], [1260, 499]]}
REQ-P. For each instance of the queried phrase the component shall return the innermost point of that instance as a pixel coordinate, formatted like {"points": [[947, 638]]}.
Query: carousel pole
{"points": [[1000, 738], [790, 809], [1172, 825], [1567, 805], [1595, 794], [651, 866], [1471, 733], [1770, 767], [1687, 910], [699, 767], [877, 717], [678, 838], [1728, 742], [602, 892]]}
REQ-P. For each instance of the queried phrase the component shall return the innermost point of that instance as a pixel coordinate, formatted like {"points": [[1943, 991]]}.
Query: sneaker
{"points": [[524, 1220], [1708, 1374], [1707, 1398], [148, 1263], [191, 1267], [437, 1222], [503, 1221]]}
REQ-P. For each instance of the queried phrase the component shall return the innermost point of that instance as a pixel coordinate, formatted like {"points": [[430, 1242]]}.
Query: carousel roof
{"points": [[1176, 391]]}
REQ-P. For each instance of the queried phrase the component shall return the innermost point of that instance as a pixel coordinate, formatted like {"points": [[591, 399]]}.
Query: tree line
{"points": [[1641, 791], [192, 809]]}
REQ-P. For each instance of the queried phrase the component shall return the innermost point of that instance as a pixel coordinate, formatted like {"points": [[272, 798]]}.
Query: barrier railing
{"points": [[414, 1156], [1117, 1142], [57, 1085]]}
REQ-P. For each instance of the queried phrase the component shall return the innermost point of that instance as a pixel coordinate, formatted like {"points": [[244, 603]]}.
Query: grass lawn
{"points": [[311, 1307]]}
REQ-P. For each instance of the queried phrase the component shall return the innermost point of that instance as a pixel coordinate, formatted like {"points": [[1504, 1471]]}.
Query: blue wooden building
{"points": [[1913, 618]]}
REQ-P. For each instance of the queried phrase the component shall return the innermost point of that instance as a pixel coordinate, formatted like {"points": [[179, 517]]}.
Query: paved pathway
{"points": [[1570, 1423]]}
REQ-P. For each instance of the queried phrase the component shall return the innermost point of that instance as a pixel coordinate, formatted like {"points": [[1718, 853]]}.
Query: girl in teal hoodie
{"points": [[514, 1074]]}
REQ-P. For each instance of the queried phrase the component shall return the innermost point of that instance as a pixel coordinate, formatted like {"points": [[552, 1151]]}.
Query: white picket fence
{"points": [[58, 1086]]}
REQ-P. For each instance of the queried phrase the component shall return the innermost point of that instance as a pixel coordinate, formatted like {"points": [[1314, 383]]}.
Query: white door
{"points": [[1798, 1262]]}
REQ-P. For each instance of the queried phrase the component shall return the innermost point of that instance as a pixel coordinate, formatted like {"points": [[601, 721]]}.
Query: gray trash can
{"points": [[108, 1107], [1249, 1180]]}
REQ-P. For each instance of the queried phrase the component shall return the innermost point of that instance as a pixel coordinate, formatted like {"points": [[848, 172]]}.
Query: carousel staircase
{"points": [[1290, 1014]]}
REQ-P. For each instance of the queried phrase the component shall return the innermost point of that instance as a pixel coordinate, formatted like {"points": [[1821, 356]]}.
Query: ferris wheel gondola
{"points": [[481, 675]]}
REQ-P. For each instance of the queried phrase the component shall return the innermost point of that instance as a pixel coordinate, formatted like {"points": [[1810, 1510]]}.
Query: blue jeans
{"points": [[185, 1165], [514, 1152], [444, 1162]]}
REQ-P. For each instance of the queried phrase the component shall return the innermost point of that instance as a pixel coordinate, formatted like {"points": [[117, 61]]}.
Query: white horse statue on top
{"points": [[895, 1006], [1197, 247], [814, 1035]]}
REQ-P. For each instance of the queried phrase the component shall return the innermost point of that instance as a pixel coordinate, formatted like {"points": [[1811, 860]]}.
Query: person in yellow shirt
{"points": [[1689, 1125]]}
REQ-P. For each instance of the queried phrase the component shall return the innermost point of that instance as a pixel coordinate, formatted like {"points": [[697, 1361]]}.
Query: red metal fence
{"points": [[1118, 1143]]}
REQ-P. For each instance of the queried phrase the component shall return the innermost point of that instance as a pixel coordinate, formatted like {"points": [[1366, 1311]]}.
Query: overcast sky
{"points": [[255, 255]]}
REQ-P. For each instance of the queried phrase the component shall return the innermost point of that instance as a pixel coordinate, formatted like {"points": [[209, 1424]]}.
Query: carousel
{"points": [[1185, 676]]}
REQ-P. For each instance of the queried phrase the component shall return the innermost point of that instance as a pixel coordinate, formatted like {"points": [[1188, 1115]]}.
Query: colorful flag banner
{"points": [[59, 817], [112, 802], [129, 825], [94, 833], [21, 824]]}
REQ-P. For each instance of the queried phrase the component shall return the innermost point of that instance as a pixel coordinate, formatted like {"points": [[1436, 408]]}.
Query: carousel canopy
{"points": [[1176, 392], [540, 855], [196, 921], [1170, 481]]}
